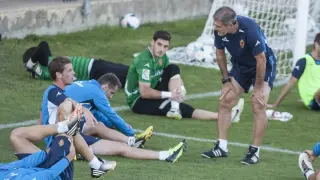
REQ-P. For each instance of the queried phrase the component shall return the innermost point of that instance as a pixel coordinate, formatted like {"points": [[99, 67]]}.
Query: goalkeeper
{"points": [[307, 74], [36, 60]]}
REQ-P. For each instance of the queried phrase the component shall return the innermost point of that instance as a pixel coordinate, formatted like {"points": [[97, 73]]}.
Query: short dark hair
{"points": [[317, 39], [165, 35], [57, 65], [28, 54], [226, 15], [110, 79]]}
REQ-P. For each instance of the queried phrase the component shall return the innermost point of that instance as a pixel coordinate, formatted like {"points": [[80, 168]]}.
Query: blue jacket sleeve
{"points": [[31, 161], [103, 105], [51, 173]]}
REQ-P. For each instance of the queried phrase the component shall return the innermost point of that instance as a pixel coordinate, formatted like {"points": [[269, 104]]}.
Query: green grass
{"points": [[20, 100]]}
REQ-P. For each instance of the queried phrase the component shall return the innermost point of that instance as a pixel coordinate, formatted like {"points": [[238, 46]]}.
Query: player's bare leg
{"points": [[204, 115], [260, 118], [201, 114], [106, 147], [225, 106], [175, 84], [103, 132], [260, 123], [22, 138], [224, 121], [98, 167]]}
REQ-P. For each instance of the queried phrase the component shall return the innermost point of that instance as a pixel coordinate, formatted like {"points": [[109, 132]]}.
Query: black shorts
{"points": [[314, 105], [101, 67], [160, 107]]}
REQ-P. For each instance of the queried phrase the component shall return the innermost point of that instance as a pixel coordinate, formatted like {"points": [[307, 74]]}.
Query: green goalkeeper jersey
{"points": [[80, 67], [144, 68]]}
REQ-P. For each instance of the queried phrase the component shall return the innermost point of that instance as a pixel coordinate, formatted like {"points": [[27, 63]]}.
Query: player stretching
{"points": [[253, 64], [49, 164]]}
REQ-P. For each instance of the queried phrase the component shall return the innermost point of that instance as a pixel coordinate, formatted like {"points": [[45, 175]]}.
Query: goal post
{"points": [[301, 29]]}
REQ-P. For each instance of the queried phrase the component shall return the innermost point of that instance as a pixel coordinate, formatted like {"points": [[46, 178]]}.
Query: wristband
{"points": [[165, 94], [225, 80]]}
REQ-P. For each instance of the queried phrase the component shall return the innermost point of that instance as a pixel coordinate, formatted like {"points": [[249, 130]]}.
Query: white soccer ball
{"points": [[130, 21], [199, 52], [193, 48]]}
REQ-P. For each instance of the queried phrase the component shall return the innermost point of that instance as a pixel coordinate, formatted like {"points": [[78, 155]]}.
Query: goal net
{"points": [[277, 18]]}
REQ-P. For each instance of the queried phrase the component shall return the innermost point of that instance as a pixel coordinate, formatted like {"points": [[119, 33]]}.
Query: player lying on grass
{"points": [[155, 87], [307, 74], [56, 105], [36, 60], [43, 164], [305, 162]]}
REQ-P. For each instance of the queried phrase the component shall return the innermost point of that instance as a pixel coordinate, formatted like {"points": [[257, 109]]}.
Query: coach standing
{"points": [[253, 64]]}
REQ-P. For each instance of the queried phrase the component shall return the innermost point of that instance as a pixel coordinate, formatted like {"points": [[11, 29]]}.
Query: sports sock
{"points": [[163, 155], [62, 128], [223, 144], [131, 140], [30, 64], [174, 104], [95, 163]]}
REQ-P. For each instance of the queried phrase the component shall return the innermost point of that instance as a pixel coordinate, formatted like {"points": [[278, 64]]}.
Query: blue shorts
{"points": [[246, 76], [89, 139], [314, 105], [59, 148]]}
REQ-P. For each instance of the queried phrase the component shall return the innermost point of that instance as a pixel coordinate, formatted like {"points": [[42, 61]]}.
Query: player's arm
{"points": [[103, 105], [222, 62], [146, 92], [260, 70], [30, 161], [221, 55], [295, 75], [51, 173]]}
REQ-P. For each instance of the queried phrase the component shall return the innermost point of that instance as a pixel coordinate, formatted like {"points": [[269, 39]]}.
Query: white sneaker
{"points": [[174, 113], [280, 116], [305, 165], [237, 110]]}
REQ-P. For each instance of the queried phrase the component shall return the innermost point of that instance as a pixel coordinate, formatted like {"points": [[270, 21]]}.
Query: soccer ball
{"points": [[197, 51], [130, 21], [194, 48]]}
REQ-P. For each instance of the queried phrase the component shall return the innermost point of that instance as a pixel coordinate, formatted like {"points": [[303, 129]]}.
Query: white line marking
{"points": [[189, 97], [266, 148]]}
